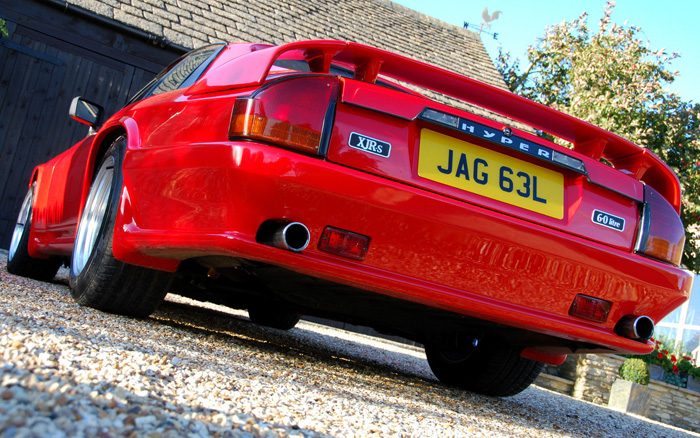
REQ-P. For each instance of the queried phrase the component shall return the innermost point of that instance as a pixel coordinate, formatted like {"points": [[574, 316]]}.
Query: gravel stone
{"points": [[201, 370]]}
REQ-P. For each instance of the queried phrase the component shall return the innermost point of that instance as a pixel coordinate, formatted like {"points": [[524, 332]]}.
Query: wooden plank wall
{"points": [[49, 58]]}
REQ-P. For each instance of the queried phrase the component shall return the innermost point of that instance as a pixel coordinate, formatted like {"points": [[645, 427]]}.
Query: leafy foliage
{"points": [[695, 372], [635, 370], [612, 79], [676, 362]]}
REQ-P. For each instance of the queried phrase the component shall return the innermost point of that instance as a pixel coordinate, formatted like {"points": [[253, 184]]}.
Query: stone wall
{"points": [[589, 377], [595, 375], [554, 383], [676, 406]]}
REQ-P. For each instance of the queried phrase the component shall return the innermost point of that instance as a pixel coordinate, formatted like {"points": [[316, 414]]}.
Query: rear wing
{"points": [[590, 140]]}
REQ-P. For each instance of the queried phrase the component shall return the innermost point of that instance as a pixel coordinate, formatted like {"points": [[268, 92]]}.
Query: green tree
{"points": [[613, 79]]}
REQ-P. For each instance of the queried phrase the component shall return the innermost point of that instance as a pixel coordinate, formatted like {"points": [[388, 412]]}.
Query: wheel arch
{"points": [[35, 179], [105, 138], [35, 175], [36, 184], [101, 143]]}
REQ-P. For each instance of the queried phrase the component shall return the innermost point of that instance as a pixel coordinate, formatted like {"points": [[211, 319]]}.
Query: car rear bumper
{"points": [[211, 199]]}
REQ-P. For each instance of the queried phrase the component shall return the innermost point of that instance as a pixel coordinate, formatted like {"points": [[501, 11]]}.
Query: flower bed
{"points": [[678, 368]]}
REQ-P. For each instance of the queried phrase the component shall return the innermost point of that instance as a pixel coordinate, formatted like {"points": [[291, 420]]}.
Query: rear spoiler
{"points": [[369, 62]]}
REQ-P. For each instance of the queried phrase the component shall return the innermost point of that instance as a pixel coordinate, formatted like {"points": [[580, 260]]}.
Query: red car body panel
{"points": [[58, 198], [405, 160], [588, 139], [511, 274], [190, 191]]}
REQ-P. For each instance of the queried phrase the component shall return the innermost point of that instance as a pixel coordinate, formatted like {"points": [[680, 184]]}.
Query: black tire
{"points": [[97, 279], [273, 317], [19, 262], [490, 368]]}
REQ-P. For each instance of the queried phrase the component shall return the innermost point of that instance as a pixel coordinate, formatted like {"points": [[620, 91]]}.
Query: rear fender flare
{"points": [[125, 226], [102, 141]]}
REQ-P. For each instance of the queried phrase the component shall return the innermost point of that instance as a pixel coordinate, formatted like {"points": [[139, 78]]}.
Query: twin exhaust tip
{"points": [[639, 328]]}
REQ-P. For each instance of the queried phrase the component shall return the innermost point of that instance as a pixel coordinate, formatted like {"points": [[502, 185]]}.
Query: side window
{"points": [[181, 73], [178, 74]]}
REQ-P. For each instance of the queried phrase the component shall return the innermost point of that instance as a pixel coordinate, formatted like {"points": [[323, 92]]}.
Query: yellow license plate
{"points": [[469, 167]]}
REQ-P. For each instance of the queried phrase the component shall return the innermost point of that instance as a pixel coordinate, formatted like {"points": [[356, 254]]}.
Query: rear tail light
{"points": [[592, 309], [290, 112], [661, 235], [344, 243]]}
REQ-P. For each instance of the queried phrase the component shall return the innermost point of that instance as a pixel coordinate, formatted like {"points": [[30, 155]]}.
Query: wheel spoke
{"points": [[93, 216]]}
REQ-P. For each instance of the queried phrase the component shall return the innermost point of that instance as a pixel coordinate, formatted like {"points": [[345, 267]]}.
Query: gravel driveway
{"points": [[207, 371]]}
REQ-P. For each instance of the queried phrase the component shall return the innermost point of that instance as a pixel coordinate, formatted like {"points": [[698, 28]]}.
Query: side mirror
{"points": [[86, 112]]}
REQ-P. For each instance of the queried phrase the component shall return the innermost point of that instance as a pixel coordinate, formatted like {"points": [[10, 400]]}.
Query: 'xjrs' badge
{"points": [[369, 144], [608, 220]]}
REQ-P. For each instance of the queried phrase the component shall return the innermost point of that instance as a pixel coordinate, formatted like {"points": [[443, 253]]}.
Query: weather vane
{"points": [[486, 23]]}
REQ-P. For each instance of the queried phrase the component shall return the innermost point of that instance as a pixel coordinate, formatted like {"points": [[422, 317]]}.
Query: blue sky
{"points": [[670, 24]]}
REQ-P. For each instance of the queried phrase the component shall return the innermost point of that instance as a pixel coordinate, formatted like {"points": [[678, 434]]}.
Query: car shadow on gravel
{"points": [[296, 341], [536, 409]]}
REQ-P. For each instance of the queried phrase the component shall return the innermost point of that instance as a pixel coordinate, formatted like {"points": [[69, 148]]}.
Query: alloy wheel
{"points": [[22, 223], [93, 216]]}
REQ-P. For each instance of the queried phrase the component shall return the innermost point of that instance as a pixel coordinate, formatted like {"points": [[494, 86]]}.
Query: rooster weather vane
{"points": [[488, 18]]}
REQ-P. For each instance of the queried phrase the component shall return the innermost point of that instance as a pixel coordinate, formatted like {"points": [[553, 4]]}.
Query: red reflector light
{"points": [[592, 309], [344, 243], [290, 112]]}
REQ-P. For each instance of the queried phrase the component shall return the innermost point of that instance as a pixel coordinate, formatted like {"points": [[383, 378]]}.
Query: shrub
{"points": [[695, 372], [680, 380], [635, 370]]}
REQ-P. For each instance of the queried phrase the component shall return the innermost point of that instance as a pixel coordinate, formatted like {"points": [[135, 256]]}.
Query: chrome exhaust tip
{"points": [[639, 328], [293, 236]]}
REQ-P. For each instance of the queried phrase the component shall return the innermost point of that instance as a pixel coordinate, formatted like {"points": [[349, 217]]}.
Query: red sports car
{"points": [[303, 179]]}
